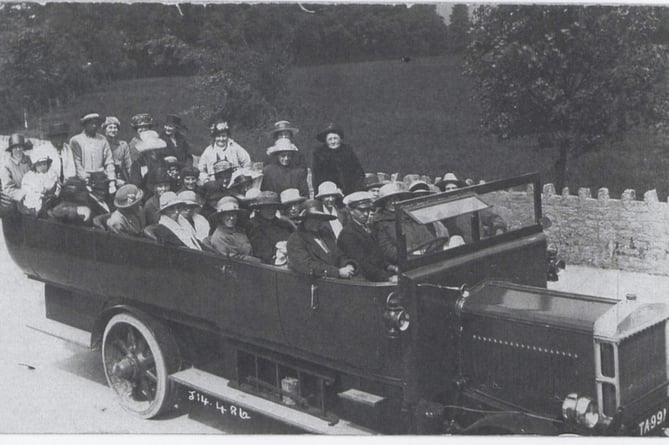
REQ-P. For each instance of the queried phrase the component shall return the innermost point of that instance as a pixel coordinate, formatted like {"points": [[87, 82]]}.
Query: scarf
{"points": [[181, 232]]}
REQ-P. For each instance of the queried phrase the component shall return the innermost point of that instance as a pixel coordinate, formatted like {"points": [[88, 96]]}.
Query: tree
{"points": [[572, 76], [458, 28]]}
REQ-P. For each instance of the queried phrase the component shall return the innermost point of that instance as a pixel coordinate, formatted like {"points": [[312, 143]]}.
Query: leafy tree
{"points": [[458, 28], [572, 76]]}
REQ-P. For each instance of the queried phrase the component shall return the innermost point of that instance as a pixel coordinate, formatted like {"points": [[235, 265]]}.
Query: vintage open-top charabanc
{"points": [[429, 354]]}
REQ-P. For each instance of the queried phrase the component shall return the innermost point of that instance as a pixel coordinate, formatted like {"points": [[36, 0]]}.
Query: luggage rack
{"points": [[300, 387]]}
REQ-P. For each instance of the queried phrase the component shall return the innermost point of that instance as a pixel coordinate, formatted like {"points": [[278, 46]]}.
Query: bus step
{"points": [[218, 387]]}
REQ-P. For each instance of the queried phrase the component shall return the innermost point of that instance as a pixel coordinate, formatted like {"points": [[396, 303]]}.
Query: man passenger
{"points": [[356, 240], [265, 228], [91, 150]]}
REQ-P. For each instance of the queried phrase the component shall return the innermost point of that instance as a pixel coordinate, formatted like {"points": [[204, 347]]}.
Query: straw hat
{"points": [[449, 178], [419, 187], [283, 126], [328, 188], [90, 117], [189, 197], [396, 189], [169, 199], [266, 198], [291, 196], [371, 181], [281, 145], [311, 209], [128, 196]]}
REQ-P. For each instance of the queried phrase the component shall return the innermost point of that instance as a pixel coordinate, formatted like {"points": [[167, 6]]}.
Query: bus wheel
{"points": [[138, 355]]}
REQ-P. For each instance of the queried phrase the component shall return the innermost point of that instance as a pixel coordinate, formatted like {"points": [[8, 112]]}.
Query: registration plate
{"points": [[653, 421], [219, 407]]}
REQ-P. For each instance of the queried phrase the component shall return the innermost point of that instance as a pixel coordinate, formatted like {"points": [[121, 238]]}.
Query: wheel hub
{"points": [[126, 368]]}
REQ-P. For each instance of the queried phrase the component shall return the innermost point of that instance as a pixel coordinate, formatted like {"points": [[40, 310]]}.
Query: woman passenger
{"points": [[17, 165], [291, 205], [158, 182], [169, 232], [336, 162], [281, 173], [265, 228], [128, 218], [330, 196], [191, 217], [120, 149], [228, 239]]}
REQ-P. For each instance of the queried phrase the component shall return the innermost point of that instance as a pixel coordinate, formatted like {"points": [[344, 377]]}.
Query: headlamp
{"points": [[581, 410]]}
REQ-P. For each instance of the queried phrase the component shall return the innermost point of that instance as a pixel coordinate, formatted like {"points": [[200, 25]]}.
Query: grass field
{"points": [[409, 117]]}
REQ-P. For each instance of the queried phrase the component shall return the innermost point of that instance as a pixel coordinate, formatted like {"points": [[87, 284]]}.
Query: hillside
{"points": [[410, 117]]}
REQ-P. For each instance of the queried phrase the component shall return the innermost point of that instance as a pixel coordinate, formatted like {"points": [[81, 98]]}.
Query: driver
{"points": [[383, 223]]}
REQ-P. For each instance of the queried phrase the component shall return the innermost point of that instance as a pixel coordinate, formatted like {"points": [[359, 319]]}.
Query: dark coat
{"points": [[167, 238], [307, 257], [383, 227], [181, 150], [264, 235], [358, 244], [136, 176], [277, 178], [340, 166]]}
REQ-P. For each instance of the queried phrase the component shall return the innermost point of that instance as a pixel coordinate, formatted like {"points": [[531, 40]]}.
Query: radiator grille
{"points": [[643, 364]]}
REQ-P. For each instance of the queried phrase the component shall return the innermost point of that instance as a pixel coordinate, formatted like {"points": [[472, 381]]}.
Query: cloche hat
{"points": [[227, 204], [189, 197], [169, 199]]}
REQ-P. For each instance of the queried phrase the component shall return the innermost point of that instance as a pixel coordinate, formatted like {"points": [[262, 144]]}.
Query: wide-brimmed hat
{"points": [[141, 120], [40, 155], [359, 200], [219, 128], [58, 129], [172, 161], [149, 140], [158, 175], [128, 196], [111, 120], [328, 188], [449, 178], [291, 196], [371, 181], [227, 204], [280, 146], [18, 140], [222, 166], [266, 198], [190, 170], [393, 190], [90, 117], [169, 199], [331, 128], [190, 198], [283, 126], [241, 177], [312, 209], [172, 120]]}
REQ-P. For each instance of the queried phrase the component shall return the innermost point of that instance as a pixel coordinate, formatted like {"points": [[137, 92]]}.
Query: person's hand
{"points": [[84, 212], [346, 271], [393, 278]]}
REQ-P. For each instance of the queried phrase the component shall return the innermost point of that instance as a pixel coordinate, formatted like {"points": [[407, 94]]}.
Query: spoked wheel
{"points": [[138, 355]]}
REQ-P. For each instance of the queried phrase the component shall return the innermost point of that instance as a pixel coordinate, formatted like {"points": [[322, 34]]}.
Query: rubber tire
{"points": [[164, 350]]}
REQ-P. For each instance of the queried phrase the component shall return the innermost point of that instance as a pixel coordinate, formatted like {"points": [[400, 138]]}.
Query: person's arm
{"points": [[9, 185], [243, 157], [77, 153], [386, 243], [353, 248], [108, 159], [300, 260], [126, 162], [203, 165]]}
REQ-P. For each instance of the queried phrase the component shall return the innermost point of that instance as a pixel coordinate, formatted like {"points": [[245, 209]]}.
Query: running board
{"points": [[218, 387], [62, 331]]}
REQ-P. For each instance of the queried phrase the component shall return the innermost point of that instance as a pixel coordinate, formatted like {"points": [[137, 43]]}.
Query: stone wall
{"points": [[625, 233]]}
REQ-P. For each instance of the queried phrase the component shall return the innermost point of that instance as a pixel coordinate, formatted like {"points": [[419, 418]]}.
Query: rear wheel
{"points": [[138, 355]]}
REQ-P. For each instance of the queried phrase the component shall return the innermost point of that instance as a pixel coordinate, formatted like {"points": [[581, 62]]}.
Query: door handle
{"points": [[314, 297]]}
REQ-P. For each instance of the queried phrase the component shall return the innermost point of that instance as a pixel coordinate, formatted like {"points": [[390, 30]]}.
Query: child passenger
{"points": [[40, 184]]}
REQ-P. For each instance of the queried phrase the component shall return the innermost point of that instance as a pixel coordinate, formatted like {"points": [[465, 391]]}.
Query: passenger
{"points": [[169, 232], [128, 218], [383, 224], [281, 173], [291, 205], [151, 151], [222, 148], [73, 207], [174, 172], [372, 184], [214, 190], [40, 185], [265, 228], [313, 251], [228, 239], [158, 182], [140, 123], [91, 150], [491, 224], [286, 130], [330, 197], [177, 144], [242, 180], [15, 167], [356, 240], [120, 149], [60, 152], [191, 217], [189, 177], [100, 197], [336, 162]]}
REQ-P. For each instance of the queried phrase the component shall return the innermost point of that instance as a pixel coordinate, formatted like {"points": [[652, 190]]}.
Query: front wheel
{"points": [[138, 355]]}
